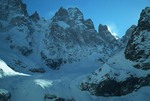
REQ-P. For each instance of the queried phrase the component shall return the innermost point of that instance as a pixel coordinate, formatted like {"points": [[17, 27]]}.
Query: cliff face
{"points": [[12, 8], [124, 40], [138, 47], [107, 36]]}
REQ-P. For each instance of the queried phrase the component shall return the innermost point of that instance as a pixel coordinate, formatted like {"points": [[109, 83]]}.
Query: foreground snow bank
{"points": [[5, 70]]}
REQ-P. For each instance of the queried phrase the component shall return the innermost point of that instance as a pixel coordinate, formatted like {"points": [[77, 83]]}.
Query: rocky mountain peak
{"points": [[62, 11], [89, 24], [144, 21], [70, 14], [137, 49], [102, 28], [107, 36], [61, 15], [11, 8], [127, 35], [35, 16], [75, 14]]}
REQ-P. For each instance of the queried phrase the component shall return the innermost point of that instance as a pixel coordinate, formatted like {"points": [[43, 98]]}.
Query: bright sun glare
{"points": [[112, 32]]}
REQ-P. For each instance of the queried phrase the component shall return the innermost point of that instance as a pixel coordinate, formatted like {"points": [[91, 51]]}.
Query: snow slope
{"points": [[64, 83], [7, 71], [119, 68]]}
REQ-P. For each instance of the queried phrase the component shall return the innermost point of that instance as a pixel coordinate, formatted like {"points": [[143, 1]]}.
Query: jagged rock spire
{"points": [[35, 16]]}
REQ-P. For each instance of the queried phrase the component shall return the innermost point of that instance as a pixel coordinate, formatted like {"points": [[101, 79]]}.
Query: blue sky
{"points": [[119, 15]]}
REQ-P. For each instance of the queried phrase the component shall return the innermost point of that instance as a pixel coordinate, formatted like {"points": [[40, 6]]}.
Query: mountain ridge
{"points": [[53, 59], [66, 38]]}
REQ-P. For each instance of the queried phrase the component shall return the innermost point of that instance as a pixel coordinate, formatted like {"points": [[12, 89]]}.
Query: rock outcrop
{"points": [[138, 47], [124, 40], [4, 95]]}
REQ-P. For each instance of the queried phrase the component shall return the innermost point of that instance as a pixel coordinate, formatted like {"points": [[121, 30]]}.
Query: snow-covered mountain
{"points": [[32, 46], [71, 38], [128, 70], [32, 42]]}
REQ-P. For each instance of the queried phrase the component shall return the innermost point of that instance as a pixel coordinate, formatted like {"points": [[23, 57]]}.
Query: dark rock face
{"points": [[4, 95], [37, 70], [35, 16], [89, 24], [11, 8], [61, 15], [143, 22], [126, 37], [111, 87], [137, 48], [107, 36], [56, 98], [25, 51], [102, 28]]}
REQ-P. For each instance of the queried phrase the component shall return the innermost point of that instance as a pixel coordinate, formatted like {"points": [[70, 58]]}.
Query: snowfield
{"points": [[64, 83]]}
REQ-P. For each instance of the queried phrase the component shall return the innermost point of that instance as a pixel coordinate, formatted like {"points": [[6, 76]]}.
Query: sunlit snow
{"points": [[44, 83], [7, 71], [114, 33]]}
